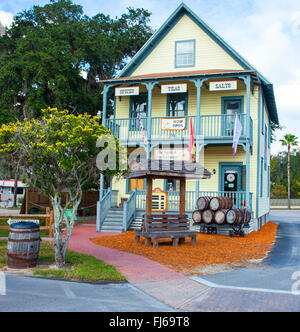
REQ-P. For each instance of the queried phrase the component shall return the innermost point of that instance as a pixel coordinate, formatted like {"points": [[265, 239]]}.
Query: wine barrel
{"points": [[248, 217], [229, 202], [203, 203], [220, 216], [197, 217], [235, 217], [208, 216], [23, 245], [221, 203]]}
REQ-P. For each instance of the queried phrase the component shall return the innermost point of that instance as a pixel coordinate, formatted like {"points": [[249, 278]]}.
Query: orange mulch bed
{"points": [[210, 250]]}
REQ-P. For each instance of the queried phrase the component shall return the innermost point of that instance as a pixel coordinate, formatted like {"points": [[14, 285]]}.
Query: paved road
{"points": [[275, 272], [36, 295]]}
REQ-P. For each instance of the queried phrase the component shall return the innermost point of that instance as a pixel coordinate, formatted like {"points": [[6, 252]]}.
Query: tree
{"points": [[56, 153], [278, 191], [54, 55], [289, 140]]}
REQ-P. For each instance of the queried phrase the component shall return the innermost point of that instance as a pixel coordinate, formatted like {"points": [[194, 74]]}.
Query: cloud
{"points": [[6, 18]]}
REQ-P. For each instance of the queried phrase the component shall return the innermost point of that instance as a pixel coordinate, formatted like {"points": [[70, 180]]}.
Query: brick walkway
{"points": [[175, 289]]}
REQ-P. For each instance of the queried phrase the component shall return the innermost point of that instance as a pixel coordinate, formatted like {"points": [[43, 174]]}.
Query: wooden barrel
{"points": [[235, 217], [23, 245], [248, 217], [221, 203], [197, 217], [220, 216], [229, 203], [203, 203], [208, 216]]}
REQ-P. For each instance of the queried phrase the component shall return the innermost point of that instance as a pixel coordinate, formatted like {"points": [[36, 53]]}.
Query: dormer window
{"points": [[185, 53]]}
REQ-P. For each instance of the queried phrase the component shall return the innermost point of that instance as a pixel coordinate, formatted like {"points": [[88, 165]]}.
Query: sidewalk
{"points": [[175, 289]]}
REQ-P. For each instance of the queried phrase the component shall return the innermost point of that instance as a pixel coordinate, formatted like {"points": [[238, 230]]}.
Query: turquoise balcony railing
{"points": [[211, 127]]}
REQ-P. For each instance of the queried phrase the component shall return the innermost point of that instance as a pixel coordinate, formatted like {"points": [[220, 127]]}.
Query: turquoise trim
{"points": [[233, 165], [269, 189], [168, 26], [262, 177], [194, 53], [263, 118], [258, 151]]}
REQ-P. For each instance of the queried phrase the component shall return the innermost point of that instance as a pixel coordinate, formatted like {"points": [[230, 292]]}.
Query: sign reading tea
{"points": [[129, 91], [174, 88], [173, 123], [223, 85]]}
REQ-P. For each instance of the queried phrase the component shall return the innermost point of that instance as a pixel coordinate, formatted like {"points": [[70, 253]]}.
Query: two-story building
{"points": [[186, 76]]}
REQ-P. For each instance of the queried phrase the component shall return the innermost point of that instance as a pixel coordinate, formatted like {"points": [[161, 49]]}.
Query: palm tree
{"points": [[289, 140]]}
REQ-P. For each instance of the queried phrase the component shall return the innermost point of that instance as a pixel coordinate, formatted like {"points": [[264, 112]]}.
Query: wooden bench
{"points": [[164, 226]]}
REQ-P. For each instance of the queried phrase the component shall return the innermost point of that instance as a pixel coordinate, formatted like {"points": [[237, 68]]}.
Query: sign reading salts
{"points": [[129, 91], [223, 85], [173, 123]]}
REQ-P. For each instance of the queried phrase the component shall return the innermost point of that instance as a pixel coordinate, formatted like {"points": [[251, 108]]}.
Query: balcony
{"points": [[214, 129]]}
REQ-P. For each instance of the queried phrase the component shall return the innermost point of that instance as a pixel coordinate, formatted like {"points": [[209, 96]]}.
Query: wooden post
{"points": [[182, 196], [149, 197], [26, 200], [51, 222]]}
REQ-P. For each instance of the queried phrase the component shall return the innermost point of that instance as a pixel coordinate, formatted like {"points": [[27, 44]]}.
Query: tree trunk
{"points": [[289, 177], [16, 189], [60, 242]]}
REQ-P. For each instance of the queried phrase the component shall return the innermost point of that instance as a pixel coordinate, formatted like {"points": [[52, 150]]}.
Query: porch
{"points": [[135, 206]]}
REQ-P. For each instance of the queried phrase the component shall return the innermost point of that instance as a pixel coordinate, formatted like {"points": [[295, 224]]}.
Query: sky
{"points": [[265, 32]]}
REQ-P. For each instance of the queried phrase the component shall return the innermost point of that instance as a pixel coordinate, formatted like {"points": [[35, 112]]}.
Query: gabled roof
{"points": [[182, 10], [185, 74], [166, 169]]}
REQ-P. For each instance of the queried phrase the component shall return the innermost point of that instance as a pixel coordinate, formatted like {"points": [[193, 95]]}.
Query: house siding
{"points": [[208, 54]]}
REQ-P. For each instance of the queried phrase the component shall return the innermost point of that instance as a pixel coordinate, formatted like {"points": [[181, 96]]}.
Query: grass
{"points": [[79, 267]]}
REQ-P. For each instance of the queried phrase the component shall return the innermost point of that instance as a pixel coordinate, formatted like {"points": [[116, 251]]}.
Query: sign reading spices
{"points": [[129, 91], [173, 123], [223, 85], [174, 88]]}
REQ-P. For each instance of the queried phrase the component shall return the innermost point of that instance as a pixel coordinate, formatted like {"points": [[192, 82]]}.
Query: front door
{"points": [[231, 178]]}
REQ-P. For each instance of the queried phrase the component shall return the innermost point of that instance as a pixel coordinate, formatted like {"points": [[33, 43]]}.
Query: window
{"points": [[138, 107], [177, 104], [230, 107], [185, 53], [172, 185], [262, 177], [138, 184]]}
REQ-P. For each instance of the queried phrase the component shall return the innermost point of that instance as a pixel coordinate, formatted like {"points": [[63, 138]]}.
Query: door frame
{"points": [[222, 165]]}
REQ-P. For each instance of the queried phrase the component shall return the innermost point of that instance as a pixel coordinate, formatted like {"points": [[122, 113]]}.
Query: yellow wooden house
{"points": [[186, 77]]}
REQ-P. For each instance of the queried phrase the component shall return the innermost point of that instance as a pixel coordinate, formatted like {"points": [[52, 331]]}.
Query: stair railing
{"points": [[129, 210], [103, 207]]}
